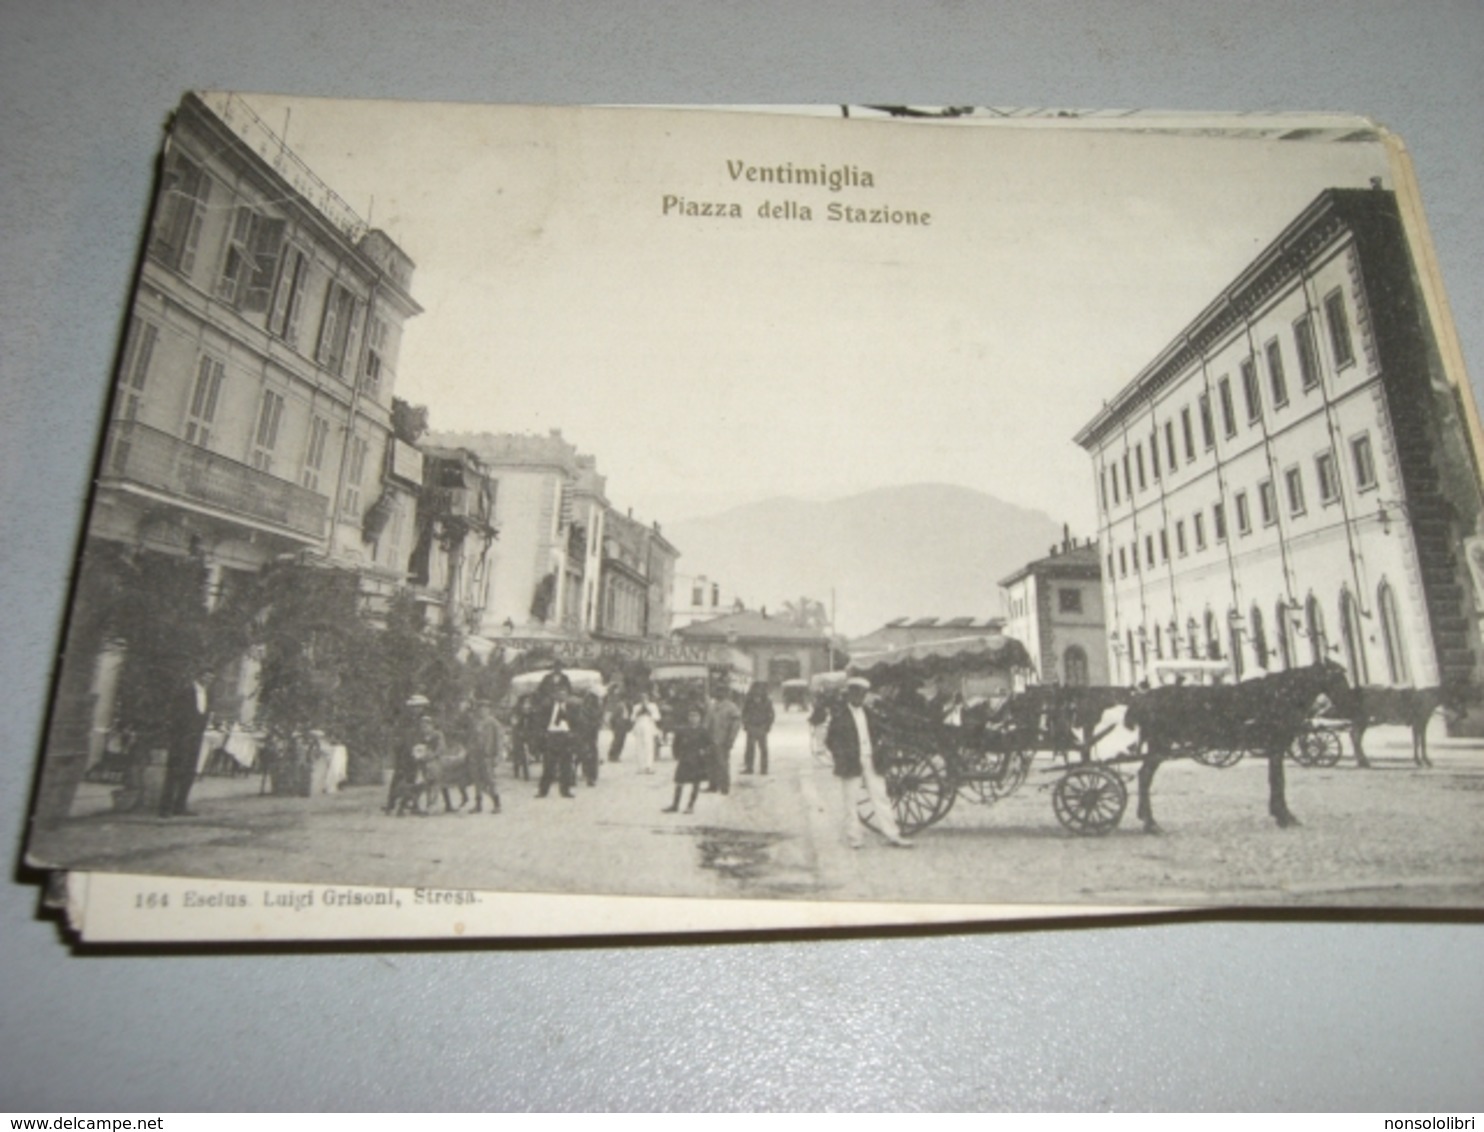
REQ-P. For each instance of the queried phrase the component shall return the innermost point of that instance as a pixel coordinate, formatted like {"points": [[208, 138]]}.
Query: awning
{"points": [[956, 655]]}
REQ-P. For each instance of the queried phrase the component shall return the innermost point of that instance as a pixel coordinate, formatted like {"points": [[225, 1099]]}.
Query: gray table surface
{"points": [[1217, 1014]]}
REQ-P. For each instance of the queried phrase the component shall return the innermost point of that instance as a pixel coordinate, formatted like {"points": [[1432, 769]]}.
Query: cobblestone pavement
{"points": [[1392, 836]]}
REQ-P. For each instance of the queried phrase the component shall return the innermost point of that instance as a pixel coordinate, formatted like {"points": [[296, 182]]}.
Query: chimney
{"points": [[1066, 537]]}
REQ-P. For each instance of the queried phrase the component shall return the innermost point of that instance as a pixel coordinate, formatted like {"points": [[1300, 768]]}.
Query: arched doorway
{"points": [[1314, 624], [1074, 666], [1352, 635], [1391, 636]]}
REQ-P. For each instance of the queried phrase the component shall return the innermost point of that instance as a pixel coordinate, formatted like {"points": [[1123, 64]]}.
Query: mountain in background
{"points": [[921, 550]]}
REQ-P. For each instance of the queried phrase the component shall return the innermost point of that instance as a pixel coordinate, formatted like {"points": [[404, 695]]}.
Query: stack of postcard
{"points": [[551, 521]]}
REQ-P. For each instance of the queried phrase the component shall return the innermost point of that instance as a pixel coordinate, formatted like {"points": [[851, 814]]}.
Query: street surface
{"points": [[1392, 836]]}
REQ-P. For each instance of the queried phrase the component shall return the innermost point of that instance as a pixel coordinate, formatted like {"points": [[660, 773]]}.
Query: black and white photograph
{"points": [[871, 504]]}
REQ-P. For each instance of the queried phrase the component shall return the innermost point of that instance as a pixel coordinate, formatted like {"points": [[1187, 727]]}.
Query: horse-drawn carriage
{"points": [[928, 764]]}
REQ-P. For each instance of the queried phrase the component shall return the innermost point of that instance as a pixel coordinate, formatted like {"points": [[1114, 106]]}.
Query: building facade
{"points": [[1292, 478], [778, 649], [567, 564], [699, 597], [1054, 607], [251, 413]]}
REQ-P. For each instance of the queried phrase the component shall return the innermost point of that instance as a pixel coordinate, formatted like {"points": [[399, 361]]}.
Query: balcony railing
{"points": [[154, 459]]}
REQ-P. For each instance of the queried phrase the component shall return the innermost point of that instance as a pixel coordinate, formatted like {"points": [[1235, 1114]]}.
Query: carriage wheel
{"points": [[1089, 800], [920, 791], [1220, 759], [1320, 748]]}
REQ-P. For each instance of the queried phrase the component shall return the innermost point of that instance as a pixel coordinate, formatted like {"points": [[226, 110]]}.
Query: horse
{"points": [[1263, 716], [1410, 707]]}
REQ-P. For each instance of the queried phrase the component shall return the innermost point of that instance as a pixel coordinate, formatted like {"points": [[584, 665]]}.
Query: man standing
{"points": [[486, 745], [556, 722], [850, 738], [185, 726], [757, 721], [723, 721]]}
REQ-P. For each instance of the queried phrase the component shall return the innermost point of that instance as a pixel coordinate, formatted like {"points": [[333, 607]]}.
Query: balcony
{"points": [[156, 460]]}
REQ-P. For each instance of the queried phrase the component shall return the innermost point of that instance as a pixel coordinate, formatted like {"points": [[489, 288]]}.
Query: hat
{"points": [[418, 701], [858, 682]]}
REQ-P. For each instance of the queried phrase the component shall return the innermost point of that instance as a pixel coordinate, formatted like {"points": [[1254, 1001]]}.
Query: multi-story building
{"points": [[252, 403], [1054, 607], [567, 565], [698, 597], [449, 568], [1292, 477], [776, 648], [638, 571]]}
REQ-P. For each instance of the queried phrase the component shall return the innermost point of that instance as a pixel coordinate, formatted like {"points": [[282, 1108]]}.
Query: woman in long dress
{"points": [[644, 733]]}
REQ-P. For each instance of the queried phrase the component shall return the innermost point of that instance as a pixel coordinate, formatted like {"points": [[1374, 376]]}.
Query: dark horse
{"points": [[1411, 707], [1262, 716]]}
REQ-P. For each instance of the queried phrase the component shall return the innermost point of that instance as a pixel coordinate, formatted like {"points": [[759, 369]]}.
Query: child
{"points": [[693, 754]]}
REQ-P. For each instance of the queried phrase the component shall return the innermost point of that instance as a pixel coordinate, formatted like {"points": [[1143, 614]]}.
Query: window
{"points": [[1199, 521], [1164, 545], [1208, 426], [1110, 563], [1115, 481], [1308, 351], [1228, 411], [1128, 480], [204, 396], [185, 190], [1277, 383], [1103, 487], [251, 260], [1139, 463], [1122, 562], [1213, 637], [1251, 394], [351, 500], [375, 352], [1170, 444], [139, 349], [1154, 454], [335, 331], [715, 594], [1244, 514], [1339, 328], [697, 594], [1329, 479], [1069, 600], [1149, 550], [1364, 462], [265, 439], [1293, 481], [288, 296], [1189, 434], [1267, 503], [1180, 537], [314, 452], [1218, 521], [1234, 637]]}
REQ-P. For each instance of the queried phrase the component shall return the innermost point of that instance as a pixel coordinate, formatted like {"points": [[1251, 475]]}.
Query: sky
{"points": [[708, 362]]}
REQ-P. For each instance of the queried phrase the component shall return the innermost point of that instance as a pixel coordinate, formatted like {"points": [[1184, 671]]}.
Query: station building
{"points": [[1292, 478]]}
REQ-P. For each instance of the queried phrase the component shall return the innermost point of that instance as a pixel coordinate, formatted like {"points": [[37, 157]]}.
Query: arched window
{"points": [[1195, 641], [1391, 635], [1318, 641], [1259, 638], [1159, 643], [1074, 666], [1283, 629], [1213, 638], [1353, 636]]}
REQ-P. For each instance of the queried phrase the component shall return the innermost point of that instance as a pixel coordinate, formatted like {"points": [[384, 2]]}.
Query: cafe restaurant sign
{"points": [[651, 652]]}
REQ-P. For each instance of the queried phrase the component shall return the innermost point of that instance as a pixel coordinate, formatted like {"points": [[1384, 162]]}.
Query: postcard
{"points": [[544, 516]]}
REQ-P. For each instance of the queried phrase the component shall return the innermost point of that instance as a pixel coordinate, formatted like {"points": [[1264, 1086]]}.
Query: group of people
{"points": [[560, 726]]}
